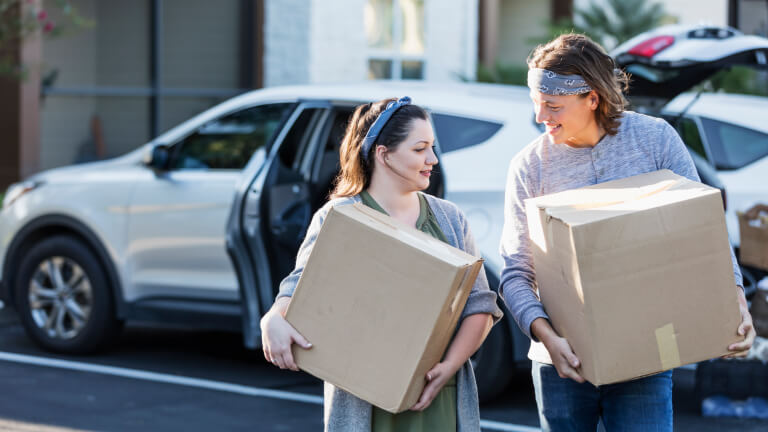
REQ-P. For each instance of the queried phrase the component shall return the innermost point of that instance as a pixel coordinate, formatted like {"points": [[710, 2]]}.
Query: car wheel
{"points": [[64, 298], [493, 363]]}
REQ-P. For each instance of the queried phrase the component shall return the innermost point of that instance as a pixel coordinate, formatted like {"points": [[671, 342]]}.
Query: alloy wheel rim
{"points": [[60, 297]]}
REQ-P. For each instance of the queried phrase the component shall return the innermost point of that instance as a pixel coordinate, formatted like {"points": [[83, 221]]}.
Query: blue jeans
{"points": [[643, 404]]}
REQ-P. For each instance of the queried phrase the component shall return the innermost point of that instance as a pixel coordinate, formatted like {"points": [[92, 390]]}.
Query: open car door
{"points": [[270, 213]]}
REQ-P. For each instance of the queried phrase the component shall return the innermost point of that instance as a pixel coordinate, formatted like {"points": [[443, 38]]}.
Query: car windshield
{"points": [[734, 146], [454, 132]]}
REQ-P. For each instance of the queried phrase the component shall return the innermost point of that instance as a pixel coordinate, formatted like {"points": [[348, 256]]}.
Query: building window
{"points": [[106, 93], [395, 35]]}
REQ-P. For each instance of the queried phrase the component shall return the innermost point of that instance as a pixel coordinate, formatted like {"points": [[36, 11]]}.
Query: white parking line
{"points": [[507, 427], [161, 377], [206, 384]]}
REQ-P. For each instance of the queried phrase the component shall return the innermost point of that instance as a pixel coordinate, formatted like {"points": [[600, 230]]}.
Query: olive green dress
{"points": [[441, 413]]}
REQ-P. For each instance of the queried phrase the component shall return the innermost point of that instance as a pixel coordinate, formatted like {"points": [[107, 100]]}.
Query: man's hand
{"points": [[563, 358], [746, 329]]}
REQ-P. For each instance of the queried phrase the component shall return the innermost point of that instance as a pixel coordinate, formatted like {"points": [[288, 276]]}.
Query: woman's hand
{"points": [[471, 334], [746, 329], [436, 379], [563, 358], [277, 336]]}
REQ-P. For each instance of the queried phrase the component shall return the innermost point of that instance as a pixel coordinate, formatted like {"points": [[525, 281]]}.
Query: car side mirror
{"points": [[158, 157]]}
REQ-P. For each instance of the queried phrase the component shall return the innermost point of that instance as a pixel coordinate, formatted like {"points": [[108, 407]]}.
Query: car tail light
{"points": [[652, 46]]}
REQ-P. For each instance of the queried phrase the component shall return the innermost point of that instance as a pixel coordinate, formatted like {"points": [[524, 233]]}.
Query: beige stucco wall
{"points": [[520, 21]]}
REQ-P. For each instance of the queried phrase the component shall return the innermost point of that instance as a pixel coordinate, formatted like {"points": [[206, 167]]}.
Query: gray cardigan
{"points": [[345, 412]]}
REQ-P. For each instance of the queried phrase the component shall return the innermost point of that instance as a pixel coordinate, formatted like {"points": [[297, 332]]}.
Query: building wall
{"points": [[201, 43], [120, 61], [104, 72], [337, 42], [521, 22], [112, 53], [451, 39], [320, 41], [287, 30], [65, 121], [122, 43], [714, 12], [200, 49], [753, 17]]}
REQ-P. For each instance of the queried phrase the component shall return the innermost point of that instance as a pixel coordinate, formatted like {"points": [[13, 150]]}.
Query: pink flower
{"points": [[42, 15], [48, 27]]}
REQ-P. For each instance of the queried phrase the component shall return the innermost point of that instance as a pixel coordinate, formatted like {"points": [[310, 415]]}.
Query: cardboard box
{"points": [[379, 301], [753, 248], [636, 274]]}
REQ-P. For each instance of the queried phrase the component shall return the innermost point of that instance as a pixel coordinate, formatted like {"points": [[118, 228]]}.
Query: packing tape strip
{"points": [[667, 343]]}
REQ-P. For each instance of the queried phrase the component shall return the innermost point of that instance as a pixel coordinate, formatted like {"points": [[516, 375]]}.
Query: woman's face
{"points": [[568, 119], [412, 160]]}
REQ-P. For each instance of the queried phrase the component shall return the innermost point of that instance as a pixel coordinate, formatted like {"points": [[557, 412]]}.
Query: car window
{"points": [[734, 146], [296, 143], [689, 132], [455, 132], [327, 164], [230, 141]]}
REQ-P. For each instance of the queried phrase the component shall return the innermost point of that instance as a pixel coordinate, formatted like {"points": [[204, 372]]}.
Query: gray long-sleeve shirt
{"points": [[642, 144]]}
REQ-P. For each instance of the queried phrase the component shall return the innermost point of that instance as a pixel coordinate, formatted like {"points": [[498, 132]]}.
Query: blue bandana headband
{"points": [[381, 121], [554, 84]]}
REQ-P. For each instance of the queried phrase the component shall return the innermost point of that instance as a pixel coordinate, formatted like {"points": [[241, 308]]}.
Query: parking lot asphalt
{"points": [[168, 379]]}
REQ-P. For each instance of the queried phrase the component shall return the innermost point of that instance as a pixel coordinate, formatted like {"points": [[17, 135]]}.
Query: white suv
{"points": [[200, 225], [728, 131], [731, 132]]}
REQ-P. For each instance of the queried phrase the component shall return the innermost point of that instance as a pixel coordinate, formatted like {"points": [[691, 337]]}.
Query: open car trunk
{"points": [[672, 59]]}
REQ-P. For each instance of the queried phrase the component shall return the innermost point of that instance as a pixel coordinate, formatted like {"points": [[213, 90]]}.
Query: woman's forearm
{"points": [[470, 336]]}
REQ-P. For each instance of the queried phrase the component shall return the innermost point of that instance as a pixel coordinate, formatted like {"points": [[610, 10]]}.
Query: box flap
{"points": [[407, 234], [615, 198]]}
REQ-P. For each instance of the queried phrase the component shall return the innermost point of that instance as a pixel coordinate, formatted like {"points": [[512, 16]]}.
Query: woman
{"points": [[387, 157], [589, 139]]}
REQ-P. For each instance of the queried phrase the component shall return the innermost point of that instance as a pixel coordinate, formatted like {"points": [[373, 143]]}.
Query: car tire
{"points": [[63, 297], [493, 363]]}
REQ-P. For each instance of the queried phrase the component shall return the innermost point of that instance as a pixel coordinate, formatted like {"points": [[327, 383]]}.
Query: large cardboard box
{"points": [[379, 301], [753, 248], [636, 274]]}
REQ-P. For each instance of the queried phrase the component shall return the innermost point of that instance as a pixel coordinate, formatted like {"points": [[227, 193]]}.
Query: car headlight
{"points": [[16, 190]]}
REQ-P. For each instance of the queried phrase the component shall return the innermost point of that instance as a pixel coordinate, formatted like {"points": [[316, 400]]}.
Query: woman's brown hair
{"points": [[356, 168], [576, 54]]}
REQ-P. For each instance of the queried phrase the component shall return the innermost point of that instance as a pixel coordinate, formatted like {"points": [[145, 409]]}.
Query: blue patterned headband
{"points": [[554, 84], [381, 121]]}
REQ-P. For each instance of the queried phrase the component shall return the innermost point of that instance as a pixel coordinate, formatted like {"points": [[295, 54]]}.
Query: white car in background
{"points": [[729, 131], [198, 226]]}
